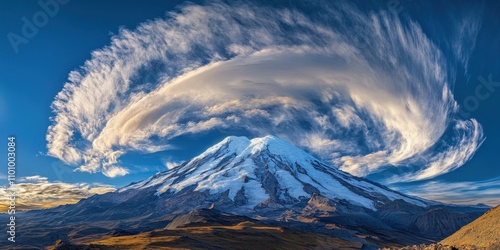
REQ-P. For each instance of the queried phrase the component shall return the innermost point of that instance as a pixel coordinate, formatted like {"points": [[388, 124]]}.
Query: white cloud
{"points": [[114, 171], [37, 192], [172, 164], [347, 117], [267, 71], [33, 179]]}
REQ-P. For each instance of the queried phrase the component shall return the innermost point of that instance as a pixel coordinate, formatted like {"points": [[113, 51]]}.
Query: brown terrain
{"points": [[244, 235], [205, 230], [482, 233]]}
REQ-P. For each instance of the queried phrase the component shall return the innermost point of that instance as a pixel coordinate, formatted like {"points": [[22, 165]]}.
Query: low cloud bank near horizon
{"points": [[37, 192]]}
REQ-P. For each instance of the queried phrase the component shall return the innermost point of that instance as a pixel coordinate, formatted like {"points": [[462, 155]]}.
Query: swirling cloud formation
{"points": [[366, 91]]}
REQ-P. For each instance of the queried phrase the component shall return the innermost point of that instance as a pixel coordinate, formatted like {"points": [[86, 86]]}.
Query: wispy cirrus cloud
{"points": [[465, 192], [468, 138], [37, 192], [467, 31], [267, 70]]}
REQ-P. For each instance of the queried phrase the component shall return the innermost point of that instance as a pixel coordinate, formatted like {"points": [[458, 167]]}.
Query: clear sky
{"points": [[401, 93]]}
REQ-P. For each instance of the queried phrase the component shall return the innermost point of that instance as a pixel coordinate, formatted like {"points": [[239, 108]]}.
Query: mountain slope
{"points": [[482, 232], [265, 179], [268, 170]]}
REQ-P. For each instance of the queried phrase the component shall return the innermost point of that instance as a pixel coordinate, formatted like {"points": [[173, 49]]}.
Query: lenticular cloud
{"points": [[365, 91]]}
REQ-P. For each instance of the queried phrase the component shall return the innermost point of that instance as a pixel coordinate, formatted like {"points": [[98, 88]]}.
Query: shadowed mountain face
{"points": [[265, 179]]}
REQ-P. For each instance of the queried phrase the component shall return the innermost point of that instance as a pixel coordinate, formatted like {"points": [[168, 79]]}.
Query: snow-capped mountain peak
{"points": [[241, 145], [267, 170]]}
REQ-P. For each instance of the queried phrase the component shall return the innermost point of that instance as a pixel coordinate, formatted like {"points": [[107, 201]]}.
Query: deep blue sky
{"points": [[31, 78]]}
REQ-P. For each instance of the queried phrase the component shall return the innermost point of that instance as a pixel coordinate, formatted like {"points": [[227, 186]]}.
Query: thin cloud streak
{"points": [[467, 192]]}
